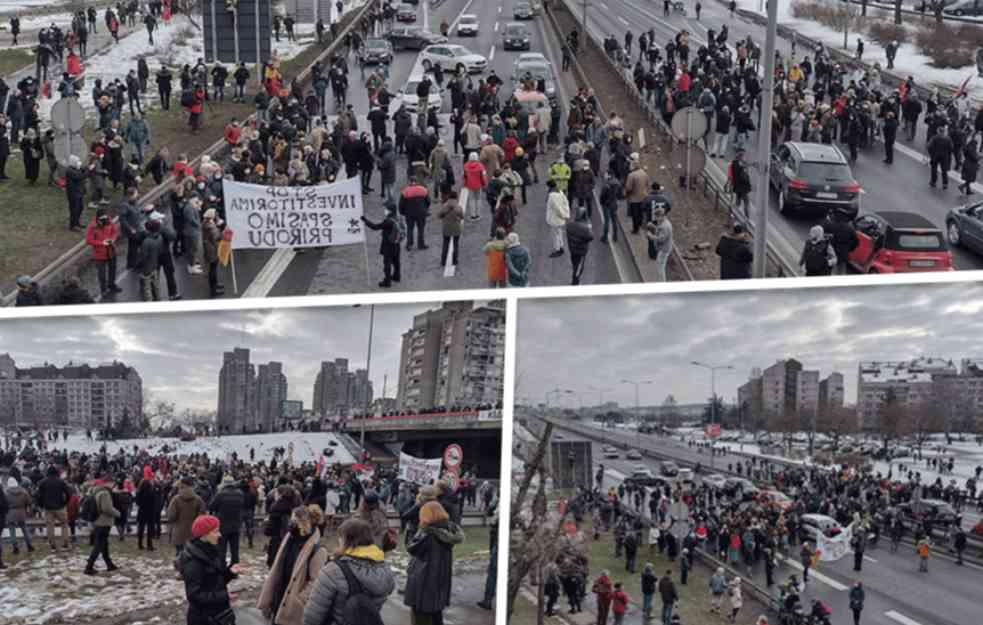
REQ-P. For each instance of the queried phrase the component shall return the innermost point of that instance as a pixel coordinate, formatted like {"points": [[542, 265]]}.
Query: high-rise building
{"points": [[76, 395], [831, 393], [453, 356], [359, 392], [784, 389], [236, 391], [271, 391], [340, 392]]}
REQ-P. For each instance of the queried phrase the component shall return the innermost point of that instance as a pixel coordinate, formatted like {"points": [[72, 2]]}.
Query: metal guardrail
{"points": [[78, 251], [713, 179]]}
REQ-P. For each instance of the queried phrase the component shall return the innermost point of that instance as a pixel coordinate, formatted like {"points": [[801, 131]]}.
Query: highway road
{"points": [[342, 269], [896, 592], [900, 186]]}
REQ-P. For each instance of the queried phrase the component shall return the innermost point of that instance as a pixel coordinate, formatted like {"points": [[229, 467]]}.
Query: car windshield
{"points": [[515, 31], [469, 19], [457, 51], [375, 43], [825, 172]]}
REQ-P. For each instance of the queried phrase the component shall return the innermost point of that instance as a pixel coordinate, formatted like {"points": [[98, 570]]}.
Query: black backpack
{"points": [[187, 98], [89, 508], [816, 261], [358, 608]]}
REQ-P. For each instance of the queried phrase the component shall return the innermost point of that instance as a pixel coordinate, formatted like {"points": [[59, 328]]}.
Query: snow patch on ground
{"points": [[307, 446]]}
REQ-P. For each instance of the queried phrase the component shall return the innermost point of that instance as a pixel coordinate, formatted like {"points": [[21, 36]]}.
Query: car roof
{"points": [[903, 219], [468, 16], [529, 56], [515, 25], [817, 152]]}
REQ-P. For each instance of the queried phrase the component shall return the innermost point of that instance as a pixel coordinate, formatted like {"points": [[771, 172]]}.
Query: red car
{"points": [[899, 242]]}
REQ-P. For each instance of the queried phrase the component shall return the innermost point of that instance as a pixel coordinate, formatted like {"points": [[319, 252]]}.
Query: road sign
{"points": [[67, 120], [712, 430], [453, 456], [453, 481], [689, 124]]}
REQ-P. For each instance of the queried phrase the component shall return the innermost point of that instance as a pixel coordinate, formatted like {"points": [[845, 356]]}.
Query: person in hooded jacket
{"points": [[430, 573], [107, 515], [182, 511], [940, 150], [579, 237], [357, 556], [146, 501], [19, 503], [206, 576], [227, 505], [279, 505], [736, 256], [971, 164], [300, 558], [517, 261]]}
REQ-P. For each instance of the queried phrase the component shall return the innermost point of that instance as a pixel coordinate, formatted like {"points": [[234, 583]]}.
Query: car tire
{"points": [[952, 234]]}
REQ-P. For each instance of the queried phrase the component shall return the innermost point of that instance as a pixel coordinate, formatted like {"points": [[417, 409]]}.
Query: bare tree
{"points": [[892, 418], [835, 421], [786, 424]]}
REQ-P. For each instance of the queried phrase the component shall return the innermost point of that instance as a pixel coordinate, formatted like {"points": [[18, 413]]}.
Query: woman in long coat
{"points": [[32, 152], [429, 576], [298, 562]]}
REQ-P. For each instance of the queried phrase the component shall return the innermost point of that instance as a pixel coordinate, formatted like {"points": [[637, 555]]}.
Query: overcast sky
{"points": [[179, 355], [578, 343]]}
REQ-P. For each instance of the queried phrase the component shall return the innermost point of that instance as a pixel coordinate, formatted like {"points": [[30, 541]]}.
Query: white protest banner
{"points": [[832, 549], [263, 217], [423, 471]]}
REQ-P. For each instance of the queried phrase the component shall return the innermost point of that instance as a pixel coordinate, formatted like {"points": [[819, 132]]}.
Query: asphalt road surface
{"points": [[357, 268], [900, 186], [896, 592]]}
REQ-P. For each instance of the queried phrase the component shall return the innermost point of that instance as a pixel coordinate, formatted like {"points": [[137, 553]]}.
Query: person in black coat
{"points": [[146, 501], [228, 505], [940, 156], [430, 572], [734, 250], [75, 178], [843, 235], [4, 151], [205, 575], [32, 152], [971, 165], [890, 133], [389, 243]]}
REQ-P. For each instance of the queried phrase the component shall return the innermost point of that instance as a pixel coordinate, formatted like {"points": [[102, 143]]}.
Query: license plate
{"points": [[921, 263], [827, 196]]}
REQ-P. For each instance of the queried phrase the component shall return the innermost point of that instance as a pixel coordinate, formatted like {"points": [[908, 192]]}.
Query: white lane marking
{"points": [[604, 6], [813, 574], [491, 55], [901, 618], [268, 276], [869, 559], [623, 20], [496, 27], [499, 9]]}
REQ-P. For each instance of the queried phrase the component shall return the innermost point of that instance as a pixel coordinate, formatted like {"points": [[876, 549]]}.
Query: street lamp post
{"points": [[713, 390], [368, 371], [637, 383]]}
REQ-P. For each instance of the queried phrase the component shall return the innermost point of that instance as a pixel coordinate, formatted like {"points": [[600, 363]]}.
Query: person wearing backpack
{"points": [[298, 561], [102, 518], [206, 576], [393, 233], [818, 257], [429, 575], [354, 584]]}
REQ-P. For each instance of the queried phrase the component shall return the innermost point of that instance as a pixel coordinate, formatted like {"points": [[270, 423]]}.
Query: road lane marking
{"points": [[491, 55], [869, 559], [623, 20], [268, 276], [813, 574], [458, 18], [901, 618], [496, 27]]}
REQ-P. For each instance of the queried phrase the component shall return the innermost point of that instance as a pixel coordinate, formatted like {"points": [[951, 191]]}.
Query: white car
{"points": [[714, 480], [453, 58], [467, 25], [685, 475], [409, 99], [634, 454], [813, 524]]}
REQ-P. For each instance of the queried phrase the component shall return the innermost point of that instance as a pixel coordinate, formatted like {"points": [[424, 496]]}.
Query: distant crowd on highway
{"points": [[205, 508]]}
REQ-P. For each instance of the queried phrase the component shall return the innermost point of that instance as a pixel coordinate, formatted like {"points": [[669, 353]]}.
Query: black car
{"points": [[515, 36], [405, 12], [964, 227], [377, 51], [939, 513], [413, 38], [813, 176], [523, 11]]}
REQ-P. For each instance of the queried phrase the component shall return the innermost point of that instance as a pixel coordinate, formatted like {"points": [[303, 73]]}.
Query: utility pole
{"points": [[764, 145]]}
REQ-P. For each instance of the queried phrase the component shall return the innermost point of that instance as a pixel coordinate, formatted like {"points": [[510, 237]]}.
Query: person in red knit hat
{"points": [[206, 576]]}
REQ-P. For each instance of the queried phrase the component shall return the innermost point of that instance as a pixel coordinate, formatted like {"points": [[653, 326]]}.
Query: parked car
{"points": [[611, 452], [642, 476], [523, 11], [813, 177], [377, 50], [413, 38], [633, 454], [405, 12], [714, 480], [964, 7], [775, 499], [935, 510], [457, 58], [738, 486], [814, 524], [964, 227], [684, 475], [668, 468], [409, 99], [515, 36], [467, 25], [899, 242]]}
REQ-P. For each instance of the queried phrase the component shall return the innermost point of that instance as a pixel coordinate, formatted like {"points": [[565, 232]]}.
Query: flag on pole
{"points": [[962, 87], [225, 247]]}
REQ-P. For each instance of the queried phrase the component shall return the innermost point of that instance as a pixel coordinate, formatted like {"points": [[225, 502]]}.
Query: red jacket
{"points": [[603, 589], [74, 65], [474, 175], [96, 235], [198, 101], [619, 603], [232, 134], [683, 82], [509, 146]]}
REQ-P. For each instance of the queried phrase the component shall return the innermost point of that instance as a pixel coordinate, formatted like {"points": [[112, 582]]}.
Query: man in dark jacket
{"points": [[734, 250], [148, 262], [840, 227], [164, 78], [414, 205], [740, 182], [53, 496], [890, 134], [228, 505], [75, 191], [205, 575], [610, 193], [940, 156], [392, 234], [579, 236], [667, 590]]}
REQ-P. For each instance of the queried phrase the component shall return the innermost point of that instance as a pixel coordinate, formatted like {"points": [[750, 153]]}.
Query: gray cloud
{"points": [[579, 343], [179, 354]]}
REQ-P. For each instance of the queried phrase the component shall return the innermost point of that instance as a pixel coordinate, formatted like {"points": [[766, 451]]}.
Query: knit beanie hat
{"points": [[204, 524]]}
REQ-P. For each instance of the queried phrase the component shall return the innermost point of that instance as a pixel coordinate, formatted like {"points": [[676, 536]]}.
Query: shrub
{"points": [[884, 32], [941, 43]]}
